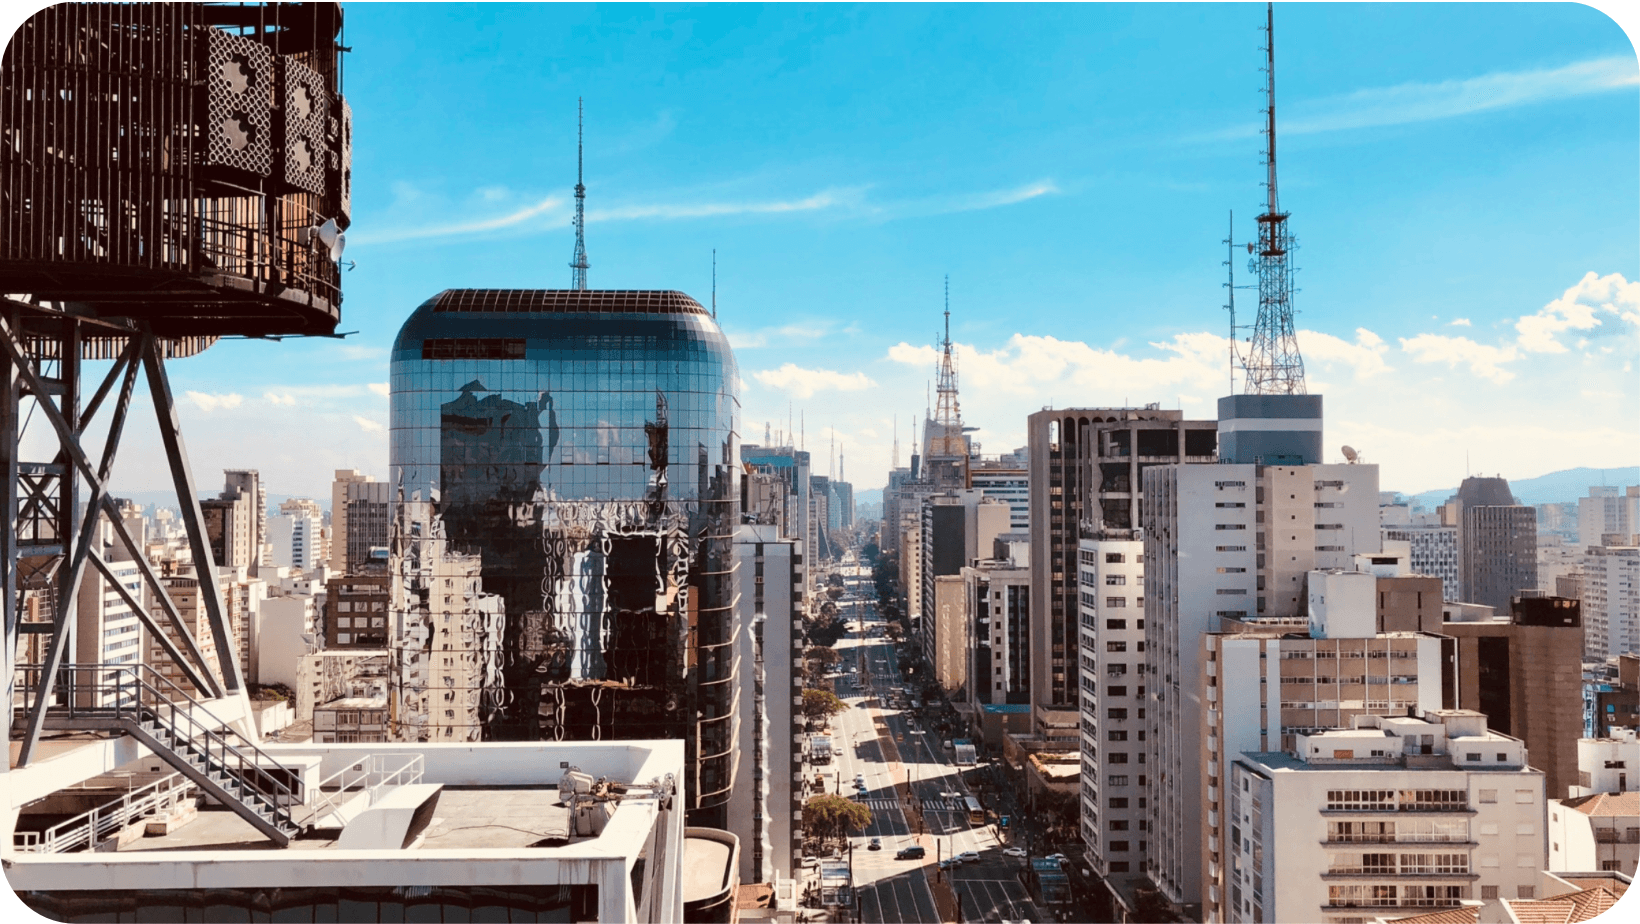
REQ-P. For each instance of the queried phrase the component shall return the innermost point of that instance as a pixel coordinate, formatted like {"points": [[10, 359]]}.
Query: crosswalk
{"points": [[929, 805]]}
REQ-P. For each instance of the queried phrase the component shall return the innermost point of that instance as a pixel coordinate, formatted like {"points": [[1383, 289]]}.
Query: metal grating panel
{"points": [[567, 301], [344, 153], [239, 103], [306, 113]]}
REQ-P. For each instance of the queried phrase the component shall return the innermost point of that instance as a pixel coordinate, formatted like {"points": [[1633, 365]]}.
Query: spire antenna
{"points": [[947, 413], [580, 264], [714, 283], [1273, 366]]}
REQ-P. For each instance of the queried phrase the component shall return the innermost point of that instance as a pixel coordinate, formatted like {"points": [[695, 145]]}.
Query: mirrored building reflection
{"points": [[582, 445]]}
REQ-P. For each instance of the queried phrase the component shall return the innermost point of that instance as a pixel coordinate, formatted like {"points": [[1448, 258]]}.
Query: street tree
{"points": [[820, 705], [832, 816]]}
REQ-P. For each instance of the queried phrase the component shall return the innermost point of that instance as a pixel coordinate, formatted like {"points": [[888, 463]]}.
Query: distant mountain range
{"points": [[869, 496], [1553, 488]]}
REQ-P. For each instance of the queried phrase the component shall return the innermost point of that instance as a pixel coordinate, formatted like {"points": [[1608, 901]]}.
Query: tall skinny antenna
{"points": [[948, 415], [714, 283], [580, 264], [1273, 365], [896, 463], [1230, 303]]}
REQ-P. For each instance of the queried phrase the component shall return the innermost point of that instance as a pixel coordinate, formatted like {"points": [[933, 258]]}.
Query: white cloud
{"points": [[1365, 356], [209, 402], [803, 383], [785, 334], [380, 388], [289, 400], [1580, 308], [1484, 361], [459, 229], [1461, 322], [824, 199], [368, 425], [1375, 107]]}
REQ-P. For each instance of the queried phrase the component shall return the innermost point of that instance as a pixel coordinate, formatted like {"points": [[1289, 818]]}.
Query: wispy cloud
{"points": [[209, 402], [288, 400], [368, 425], [825, 199], [380, 388], [1002, 197], [1376, 107], [460, 229], [803, 383], [785, 334]]}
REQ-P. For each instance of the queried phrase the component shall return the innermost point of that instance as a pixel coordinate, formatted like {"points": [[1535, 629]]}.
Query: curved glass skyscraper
{"points": [[577, 449]]}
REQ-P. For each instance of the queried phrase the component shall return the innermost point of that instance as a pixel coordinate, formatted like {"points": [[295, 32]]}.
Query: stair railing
{"points": [[84, 829]]}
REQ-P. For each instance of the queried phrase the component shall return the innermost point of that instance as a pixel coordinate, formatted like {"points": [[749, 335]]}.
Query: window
{"points": [[1117, 735], [1118, 802], [1115, 603], [1117, 824], [1471, 755], [1231, 548], [1118, 779], [1526, 891], [1119, 866], [1489, 893], [1114, 558], [1523, 796], [1489, 795], [1115, 580], [1116, 623], [1117, 691], [1229, 525], [1119, 846], [1116, 646], [1116, 757]]}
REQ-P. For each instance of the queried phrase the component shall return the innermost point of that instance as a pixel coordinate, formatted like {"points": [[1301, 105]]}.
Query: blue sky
{"points": [[1455, 173]]}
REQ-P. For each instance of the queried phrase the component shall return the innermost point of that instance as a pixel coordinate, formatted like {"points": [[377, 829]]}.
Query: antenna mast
{"points": [[896, 463], [580, 264], [1273, 365], [948, 415], [1230, 304], [714, 283]]}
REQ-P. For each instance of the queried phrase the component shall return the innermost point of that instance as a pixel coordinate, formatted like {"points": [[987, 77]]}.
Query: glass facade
{"points": [[582, 444]]}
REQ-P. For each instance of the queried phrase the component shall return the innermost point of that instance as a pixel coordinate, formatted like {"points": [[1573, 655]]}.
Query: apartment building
{"points": [[1611, 601], [1111, 668], [997, 601], [1386, 818]]}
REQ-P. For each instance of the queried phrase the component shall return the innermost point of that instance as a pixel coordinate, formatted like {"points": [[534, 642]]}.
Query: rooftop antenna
{"points": [[1230, 305], [1273, 365], [948, 414], [896, 443], [802, 432], [714, 283], [767, 441], [580, 264]]}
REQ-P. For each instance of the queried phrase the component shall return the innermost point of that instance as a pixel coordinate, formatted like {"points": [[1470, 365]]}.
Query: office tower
{"points": [[957, 527], [1434, 551], [583, 445], [1085, 470], [184, 591], [1268, 680], [1497, 541], [236, 522], [1233, 540], [338, 514], [1608, 511], [367, 515], [248, 483], [997, 596], [1006, 478], [1408, 813], [889, 540], [1610, 594], [1524, 672], [1110, 571], [767, 801]]}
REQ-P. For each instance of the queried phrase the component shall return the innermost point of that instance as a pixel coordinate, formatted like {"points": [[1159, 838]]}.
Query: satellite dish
{"points": [[1350, 453], [337, 248]]}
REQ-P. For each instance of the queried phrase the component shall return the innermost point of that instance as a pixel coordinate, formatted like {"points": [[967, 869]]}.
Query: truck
{"points": [[820, 749], [964, 748]]}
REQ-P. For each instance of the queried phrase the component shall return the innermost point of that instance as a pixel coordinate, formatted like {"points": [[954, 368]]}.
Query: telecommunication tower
{"points": [[580, 264], [1273, 365], [947, 414]]}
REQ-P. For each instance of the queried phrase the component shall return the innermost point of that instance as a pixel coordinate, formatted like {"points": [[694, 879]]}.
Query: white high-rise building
{"points": [[1226, 541], [1607, 511], [1611, 601], [296, 535], [1392, 816], [107, 630], [1434, 552], [766, 809], [1110, 573]]}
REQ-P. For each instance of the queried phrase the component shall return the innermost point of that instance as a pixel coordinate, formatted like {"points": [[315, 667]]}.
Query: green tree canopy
{"points": [[834, 816], [821, 704]]}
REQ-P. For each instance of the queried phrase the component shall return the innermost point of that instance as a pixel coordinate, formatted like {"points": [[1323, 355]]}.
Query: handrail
{"points": [[158, 796], [131, 697], [373, 777]]}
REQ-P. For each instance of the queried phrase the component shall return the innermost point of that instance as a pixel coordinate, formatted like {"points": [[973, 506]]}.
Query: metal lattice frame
{"points": [[44, 521]]}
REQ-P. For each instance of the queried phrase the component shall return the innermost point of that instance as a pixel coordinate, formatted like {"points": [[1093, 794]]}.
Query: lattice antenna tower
{"points": [[580, 264], [1230, 288], [947, 413], [1273, 365]]}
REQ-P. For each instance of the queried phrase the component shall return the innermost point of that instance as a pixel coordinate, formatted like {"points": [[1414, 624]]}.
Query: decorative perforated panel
{"points": [[239, 103], [344, 153], [306, 113]]}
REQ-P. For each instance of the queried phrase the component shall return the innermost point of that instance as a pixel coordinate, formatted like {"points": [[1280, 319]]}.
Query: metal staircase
{"points": [[138, 701]]}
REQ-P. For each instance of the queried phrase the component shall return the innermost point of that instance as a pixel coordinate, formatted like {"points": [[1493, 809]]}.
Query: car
{"points": [[950, 862], [860, 780], [1059, 858], [809, 862], [967, 856], [1013, 851], [914, 852], [876, 844]]}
